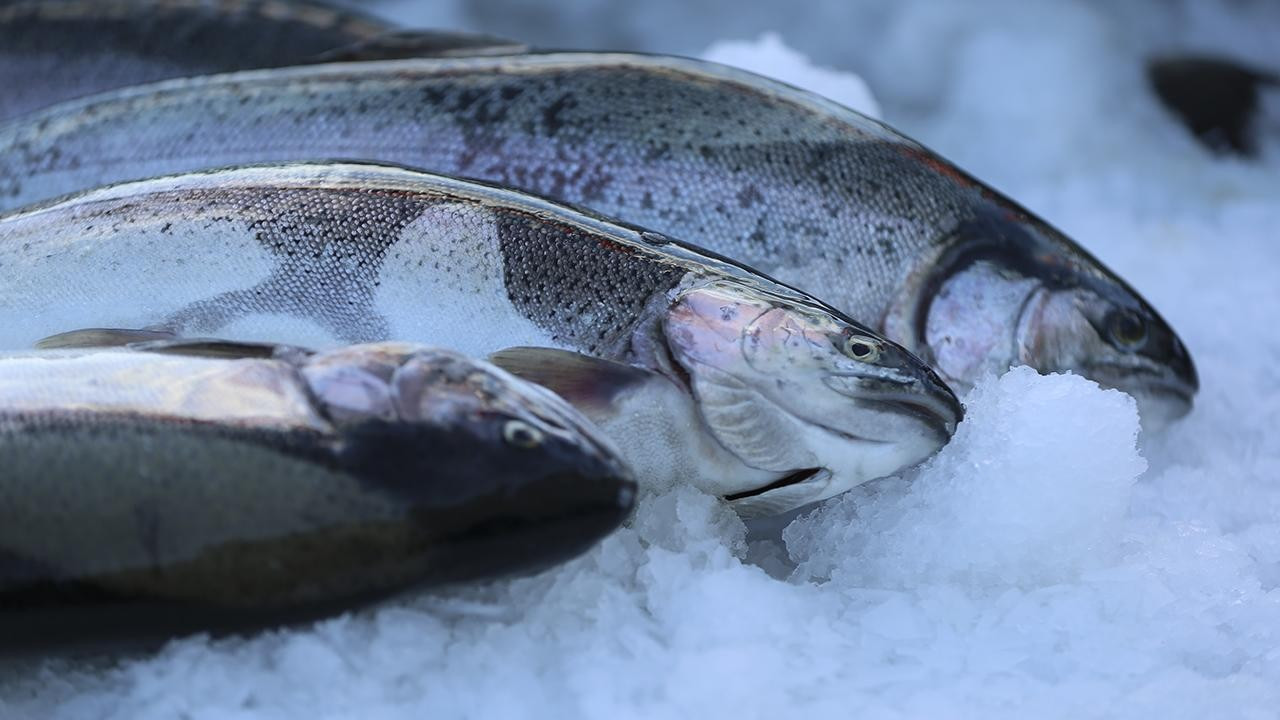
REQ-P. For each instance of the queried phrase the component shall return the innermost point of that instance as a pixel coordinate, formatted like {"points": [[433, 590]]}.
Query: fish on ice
{"points": [[700, 369], [799, 187], [170, 488]]}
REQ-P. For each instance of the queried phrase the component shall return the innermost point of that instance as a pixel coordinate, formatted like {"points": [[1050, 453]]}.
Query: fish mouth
{"points": [[939, 418], [794, 478], [1174, 394], [937, 408]]}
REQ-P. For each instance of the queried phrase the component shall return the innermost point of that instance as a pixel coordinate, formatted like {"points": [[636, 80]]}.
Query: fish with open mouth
{"points": [[169, 489], [783, 180], [699, 368]]}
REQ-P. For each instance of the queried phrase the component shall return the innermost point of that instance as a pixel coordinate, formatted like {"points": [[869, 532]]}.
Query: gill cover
{"points": [[708, 331]]}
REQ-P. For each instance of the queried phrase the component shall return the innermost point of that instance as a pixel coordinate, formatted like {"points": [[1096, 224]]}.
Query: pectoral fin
{"points": [[588, 383], [101, 338], [167, 343]]}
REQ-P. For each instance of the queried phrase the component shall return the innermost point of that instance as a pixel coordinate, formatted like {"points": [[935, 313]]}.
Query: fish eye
{"points": [[860, 347], [1127, 328], [521, 434]]}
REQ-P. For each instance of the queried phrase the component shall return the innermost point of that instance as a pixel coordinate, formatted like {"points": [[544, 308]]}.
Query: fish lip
{"points": [[935, 405], [943, 424]]}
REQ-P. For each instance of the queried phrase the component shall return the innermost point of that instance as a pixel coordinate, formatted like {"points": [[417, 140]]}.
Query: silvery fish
{"points": [[169, 489], [792, 184], [700, 369], [54, 50]]}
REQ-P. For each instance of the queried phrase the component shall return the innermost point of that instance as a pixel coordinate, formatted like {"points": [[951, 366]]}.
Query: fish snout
{"points": [[916, 390]]}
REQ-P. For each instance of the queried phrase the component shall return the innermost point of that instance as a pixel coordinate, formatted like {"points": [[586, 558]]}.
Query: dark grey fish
{"points": [[728, 379], [1217, 98], [54, 50], [783, 180], [156, 493]]}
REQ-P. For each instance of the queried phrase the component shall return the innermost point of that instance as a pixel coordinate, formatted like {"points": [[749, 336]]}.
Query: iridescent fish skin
{"points": [[80, 47], [741, 382], [172, 493], [785, 181]]}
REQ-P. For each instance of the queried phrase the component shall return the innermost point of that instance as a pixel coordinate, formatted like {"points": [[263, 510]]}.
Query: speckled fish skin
{"points": [[169, 493], [785, 181], [54, 50], [758, 380]]}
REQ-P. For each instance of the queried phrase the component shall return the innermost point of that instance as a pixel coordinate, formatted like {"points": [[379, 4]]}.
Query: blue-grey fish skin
{"points": [[130, 517], [753, 382], [796, 186], [54, 50]]}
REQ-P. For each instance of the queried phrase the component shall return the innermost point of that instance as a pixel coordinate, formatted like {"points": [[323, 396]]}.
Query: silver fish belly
{"points": [[163, 492], [766, 383], [783, 180]]}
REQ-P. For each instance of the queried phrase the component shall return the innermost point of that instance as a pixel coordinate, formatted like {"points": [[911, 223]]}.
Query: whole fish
{"points": [[164, 491], [74, 48], [783, 180], [740, 384]]}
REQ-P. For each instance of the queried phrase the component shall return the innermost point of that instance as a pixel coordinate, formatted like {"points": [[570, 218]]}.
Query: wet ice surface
{"points": [[1032, 569]]}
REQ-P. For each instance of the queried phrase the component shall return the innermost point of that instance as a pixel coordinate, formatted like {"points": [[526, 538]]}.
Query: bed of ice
{"points": [[1049, 563]]}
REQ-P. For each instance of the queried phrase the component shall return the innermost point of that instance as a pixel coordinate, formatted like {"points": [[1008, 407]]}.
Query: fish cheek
{"points": [[971, 324]]}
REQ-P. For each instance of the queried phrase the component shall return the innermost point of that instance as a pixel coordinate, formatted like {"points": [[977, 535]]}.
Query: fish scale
{"points": [[327, 246], [787, 182], [165, 490], [78, 47], [326, 254]]}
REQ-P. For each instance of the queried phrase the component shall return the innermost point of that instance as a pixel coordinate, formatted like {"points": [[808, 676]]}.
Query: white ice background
{"points": [[1048, 563]]}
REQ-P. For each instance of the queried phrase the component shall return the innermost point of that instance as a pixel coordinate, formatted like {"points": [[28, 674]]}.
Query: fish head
{"points": [[1014, 291], [509, 473], [1109, 334], [794, 387]]}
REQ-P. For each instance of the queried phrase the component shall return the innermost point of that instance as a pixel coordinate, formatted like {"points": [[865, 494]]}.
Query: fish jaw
{"points": [[781, 385]]}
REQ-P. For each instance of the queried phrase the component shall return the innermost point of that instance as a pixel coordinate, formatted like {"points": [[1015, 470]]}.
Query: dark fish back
{"points": [[79, 47]]}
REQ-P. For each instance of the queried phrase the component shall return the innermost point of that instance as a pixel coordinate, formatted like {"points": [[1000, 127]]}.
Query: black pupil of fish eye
{"points": [[1130, 328], [859, 348]]}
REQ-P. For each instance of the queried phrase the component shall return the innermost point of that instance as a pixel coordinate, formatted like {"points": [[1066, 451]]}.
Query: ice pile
{"points": [[769, 55], [666, 617], [1021, 496], [1022, 573]]}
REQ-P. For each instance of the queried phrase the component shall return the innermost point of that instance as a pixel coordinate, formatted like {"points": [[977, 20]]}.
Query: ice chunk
{"points": [[1031, 491], [769, 56]]}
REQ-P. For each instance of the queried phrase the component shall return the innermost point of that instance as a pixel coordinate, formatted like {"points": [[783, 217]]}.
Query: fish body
{"points": [[162, 492], [771, 383], [80, 47], [785, 181]]}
